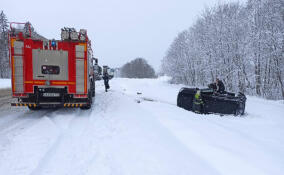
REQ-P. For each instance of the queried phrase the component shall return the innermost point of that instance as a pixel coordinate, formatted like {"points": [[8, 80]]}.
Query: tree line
{"points": [[137, 68], [242, 44]]}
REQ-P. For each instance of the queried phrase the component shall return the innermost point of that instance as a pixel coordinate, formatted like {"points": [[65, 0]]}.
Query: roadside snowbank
{"points": [[5, 83]]}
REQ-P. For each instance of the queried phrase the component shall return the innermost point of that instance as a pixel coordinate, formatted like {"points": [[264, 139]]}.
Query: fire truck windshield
{"points": [[48, 69]]}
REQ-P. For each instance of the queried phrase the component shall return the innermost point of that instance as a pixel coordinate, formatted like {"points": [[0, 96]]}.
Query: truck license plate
{"points": [[51, 94]]}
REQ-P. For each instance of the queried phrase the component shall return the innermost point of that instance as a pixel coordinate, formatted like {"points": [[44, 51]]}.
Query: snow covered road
{"points": [[126, 133]]}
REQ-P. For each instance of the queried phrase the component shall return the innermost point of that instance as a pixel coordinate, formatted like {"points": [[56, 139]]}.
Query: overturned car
{"points": [[212, 101]]}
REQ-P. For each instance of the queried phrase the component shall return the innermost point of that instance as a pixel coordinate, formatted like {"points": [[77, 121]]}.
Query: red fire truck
{"points": [[51, 73]]}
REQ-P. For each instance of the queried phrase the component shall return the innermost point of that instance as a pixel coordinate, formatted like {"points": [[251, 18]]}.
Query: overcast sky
{"points": [[120, 30]]}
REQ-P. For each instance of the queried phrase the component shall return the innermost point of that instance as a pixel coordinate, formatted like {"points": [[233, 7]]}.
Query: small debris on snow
{"points": [[148, 99]]}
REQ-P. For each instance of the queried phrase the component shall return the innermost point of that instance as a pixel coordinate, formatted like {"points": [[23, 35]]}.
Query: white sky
{"points": [[120, 30]]}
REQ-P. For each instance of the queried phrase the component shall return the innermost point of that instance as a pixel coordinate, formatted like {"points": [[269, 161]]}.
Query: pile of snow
{"points": [[5, 83], [142, 133]]}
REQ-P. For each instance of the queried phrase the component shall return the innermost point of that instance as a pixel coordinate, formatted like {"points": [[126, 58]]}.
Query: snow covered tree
{"points": [[266, 43], [4, 52], [242, 45], [137, 68]]}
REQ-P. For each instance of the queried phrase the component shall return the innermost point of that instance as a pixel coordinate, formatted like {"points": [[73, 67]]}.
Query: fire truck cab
{"points": [[51, 73]]}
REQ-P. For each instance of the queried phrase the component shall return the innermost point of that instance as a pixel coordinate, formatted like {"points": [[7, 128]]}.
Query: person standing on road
{"points": [[106, 80]]}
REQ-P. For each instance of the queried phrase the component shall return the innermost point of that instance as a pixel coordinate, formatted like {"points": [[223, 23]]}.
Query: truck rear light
{"points": [[20, 95], [80, 96]]}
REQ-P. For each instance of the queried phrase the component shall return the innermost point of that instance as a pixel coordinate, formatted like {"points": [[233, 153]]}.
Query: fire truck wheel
{"points": [[93, 92], [90, 101]]}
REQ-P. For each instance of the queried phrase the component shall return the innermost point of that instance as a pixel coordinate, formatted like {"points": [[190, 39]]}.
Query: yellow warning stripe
{"points": [[25, 104], [65, 104], [73, 105]]}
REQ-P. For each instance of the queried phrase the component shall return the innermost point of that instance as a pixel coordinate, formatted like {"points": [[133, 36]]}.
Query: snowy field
{"points": [[130, 134]]}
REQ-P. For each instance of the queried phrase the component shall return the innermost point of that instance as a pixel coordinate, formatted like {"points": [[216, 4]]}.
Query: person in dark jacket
{"points": [[212, 86], [106, 80], [220, 86]]}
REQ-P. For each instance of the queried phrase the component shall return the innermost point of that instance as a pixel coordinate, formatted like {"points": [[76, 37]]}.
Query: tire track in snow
{"points": [[21, 122], [88, 146], [66, 124], [72, 133], [78, 145], [99, 132], [24, 142]]}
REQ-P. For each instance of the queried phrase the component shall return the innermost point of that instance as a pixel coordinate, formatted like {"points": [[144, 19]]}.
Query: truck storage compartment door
{"points": [[80, 76], [18, 67], [50, 64], [80, 69]]}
